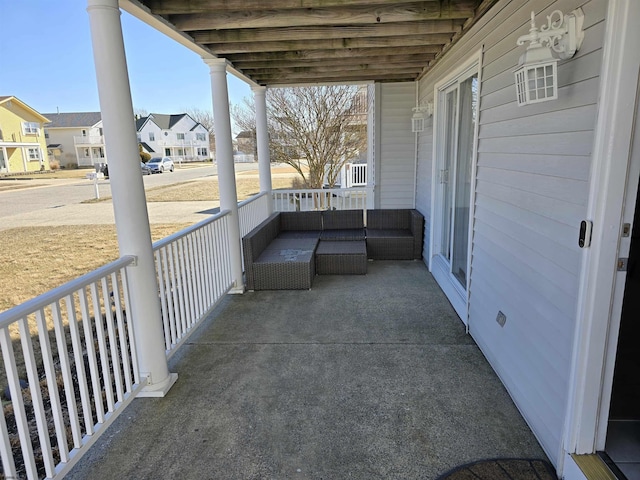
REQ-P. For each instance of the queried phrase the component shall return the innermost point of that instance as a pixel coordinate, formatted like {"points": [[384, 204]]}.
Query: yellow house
{"points": [[22, 142]]}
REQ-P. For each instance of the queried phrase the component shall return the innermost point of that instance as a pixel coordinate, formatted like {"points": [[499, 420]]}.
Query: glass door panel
{"points": [[445, 172], [462, 187]]}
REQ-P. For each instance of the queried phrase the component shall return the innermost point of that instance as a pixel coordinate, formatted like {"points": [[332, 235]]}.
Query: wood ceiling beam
{"points": [[346, 45], [169, 7], [344, 15], [319, 79], [346, 75], [386, 60], [300, 55], [426, 27], [336, 69]]}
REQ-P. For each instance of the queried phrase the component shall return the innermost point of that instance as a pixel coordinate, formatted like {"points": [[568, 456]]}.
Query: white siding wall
{"points": [[532, 192], [395, 168]]}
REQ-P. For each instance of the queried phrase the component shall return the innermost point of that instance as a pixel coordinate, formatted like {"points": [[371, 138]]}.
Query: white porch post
{"points": [[226, 168], [262, 139], [129, 203]]}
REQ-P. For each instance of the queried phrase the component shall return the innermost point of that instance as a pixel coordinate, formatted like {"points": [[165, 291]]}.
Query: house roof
{"points": [[11, 98], [73, 119], [285, 42], [54, 145], [245, 134], [146, 147], [167, 121]]}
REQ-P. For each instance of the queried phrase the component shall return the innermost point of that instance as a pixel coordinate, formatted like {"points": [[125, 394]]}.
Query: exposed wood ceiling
{"points": [[322, 41]]}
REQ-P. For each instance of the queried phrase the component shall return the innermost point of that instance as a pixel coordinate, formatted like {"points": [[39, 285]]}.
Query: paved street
{"points": [[59, 202]]}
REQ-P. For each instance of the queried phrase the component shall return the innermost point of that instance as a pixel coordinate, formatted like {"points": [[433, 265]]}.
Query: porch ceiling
{"points": [[318, 41]]}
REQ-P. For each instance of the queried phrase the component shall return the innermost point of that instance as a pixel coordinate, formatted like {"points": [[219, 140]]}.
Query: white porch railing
{"points": [[356, 175], [252, 212], [324, 199], [193, 268], [88, 140], [70, 355], [71, 367]]}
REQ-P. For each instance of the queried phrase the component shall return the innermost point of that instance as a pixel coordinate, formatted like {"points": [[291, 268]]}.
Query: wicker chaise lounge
{"points": [[394, 234]]}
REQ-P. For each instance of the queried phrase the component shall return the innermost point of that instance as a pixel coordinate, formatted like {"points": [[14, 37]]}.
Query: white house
{"points": [[75, 139], [177, 136]]}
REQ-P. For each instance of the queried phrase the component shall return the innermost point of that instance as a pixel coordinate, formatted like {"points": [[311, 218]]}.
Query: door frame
{"points": [[452, 291], [596, 320]]}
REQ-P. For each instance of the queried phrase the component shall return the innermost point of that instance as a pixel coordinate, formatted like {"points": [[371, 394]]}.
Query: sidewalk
{"points": [[102, 213]]}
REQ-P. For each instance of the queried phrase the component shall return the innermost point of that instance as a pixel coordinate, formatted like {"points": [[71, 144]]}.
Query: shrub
{"points": [[54, 164]]}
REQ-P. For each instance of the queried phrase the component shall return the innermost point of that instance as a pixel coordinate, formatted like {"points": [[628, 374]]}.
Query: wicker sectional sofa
{"points": [[282, 252]]}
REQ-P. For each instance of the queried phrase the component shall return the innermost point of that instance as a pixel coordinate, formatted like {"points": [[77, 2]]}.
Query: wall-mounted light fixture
{"points": [[537, 72], [420, 114]]}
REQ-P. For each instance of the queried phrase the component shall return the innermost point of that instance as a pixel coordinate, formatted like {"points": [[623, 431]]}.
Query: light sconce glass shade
{"points": [[537, 73], [537, 82], [419, 116]]}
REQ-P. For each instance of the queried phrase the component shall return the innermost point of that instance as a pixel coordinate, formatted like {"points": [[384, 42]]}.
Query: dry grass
{"points": [[7, 185], [42, 258]]}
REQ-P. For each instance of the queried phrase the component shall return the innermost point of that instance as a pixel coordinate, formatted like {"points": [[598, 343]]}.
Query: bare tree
{"points": [[315, 129], [205, 118], [140, 112]]}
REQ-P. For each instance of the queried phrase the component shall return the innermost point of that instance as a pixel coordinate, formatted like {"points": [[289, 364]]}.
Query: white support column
{"points": [[129, 203], [226, 168], [262, 139]]}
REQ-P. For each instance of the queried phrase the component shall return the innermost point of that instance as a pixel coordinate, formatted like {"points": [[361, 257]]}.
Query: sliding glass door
{"points": [[455, 140]]}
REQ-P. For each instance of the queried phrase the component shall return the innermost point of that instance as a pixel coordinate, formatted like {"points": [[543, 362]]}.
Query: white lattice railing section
{"points": [[194, 272], [70, 366], [252, 212], [356, 174], [321, 199]]}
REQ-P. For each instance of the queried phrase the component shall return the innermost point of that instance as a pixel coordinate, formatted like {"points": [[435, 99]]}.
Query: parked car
{"points": [[160, 164], [146, 170], [104, 168]]}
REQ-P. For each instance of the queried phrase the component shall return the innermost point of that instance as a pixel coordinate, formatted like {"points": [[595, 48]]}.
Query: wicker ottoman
{"points": [[341, 258]]}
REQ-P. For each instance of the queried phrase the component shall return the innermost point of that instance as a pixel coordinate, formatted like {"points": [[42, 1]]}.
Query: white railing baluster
{"points": [[193, 278], [36, 394], [122, 332], [63, 355], [133, 355], [175, 293], [102, 348], [78, 358], [164, 295], [91, 355], [52, 385], [113, 342], [182, 290], [20, 415], [6, 455]]}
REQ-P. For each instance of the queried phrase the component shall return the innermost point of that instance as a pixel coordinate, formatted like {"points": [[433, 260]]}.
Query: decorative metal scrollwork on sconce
{"points": [[537, 72]]}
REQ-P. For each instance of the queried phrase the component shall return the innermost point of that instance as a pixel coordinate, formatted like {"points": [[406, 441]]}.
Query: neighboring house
{"points": [[246, 141], [22, 140], [75, 139], [177, 136]]}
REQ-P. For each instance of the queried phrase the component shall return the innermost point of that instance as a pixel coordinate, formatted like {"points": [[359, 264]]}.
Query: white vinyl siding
{"points": [[396, 172], [532, 189]]}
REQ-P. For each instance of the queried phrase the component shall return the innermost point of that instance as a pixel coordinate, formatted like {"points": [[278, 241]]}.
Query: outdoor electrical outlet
{"points": [[501, 318]]}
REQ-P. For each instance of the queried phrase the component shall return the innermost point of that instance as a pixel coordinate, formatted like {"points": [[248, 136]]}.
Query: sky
{"points": [[47, 62]]}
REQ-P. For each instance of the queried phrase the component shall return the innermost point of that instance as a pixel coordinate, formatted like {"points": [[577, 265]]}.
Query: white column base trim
{"points": [[159, 390], [236, 290]]}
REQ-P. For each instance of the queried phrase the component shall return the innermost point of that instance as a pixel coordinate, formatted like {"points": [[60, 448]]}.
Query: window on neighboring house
{"points": [[201, 136], [34, 154], [139, 138], [180, 136], [46, 133], [30, 128], [180, 151], [152, 137], [202, 152], [100, 129], [86, 152]]}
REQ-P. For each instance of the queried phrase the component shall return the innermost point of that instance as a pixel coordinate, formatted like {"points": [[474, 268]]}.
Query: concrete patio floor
{"points": [[363, 377]]}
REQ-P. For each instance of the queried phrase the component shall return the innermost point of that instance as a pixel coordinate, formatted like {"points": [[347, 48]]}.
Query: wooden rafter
{"points": [[314, 41]]}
